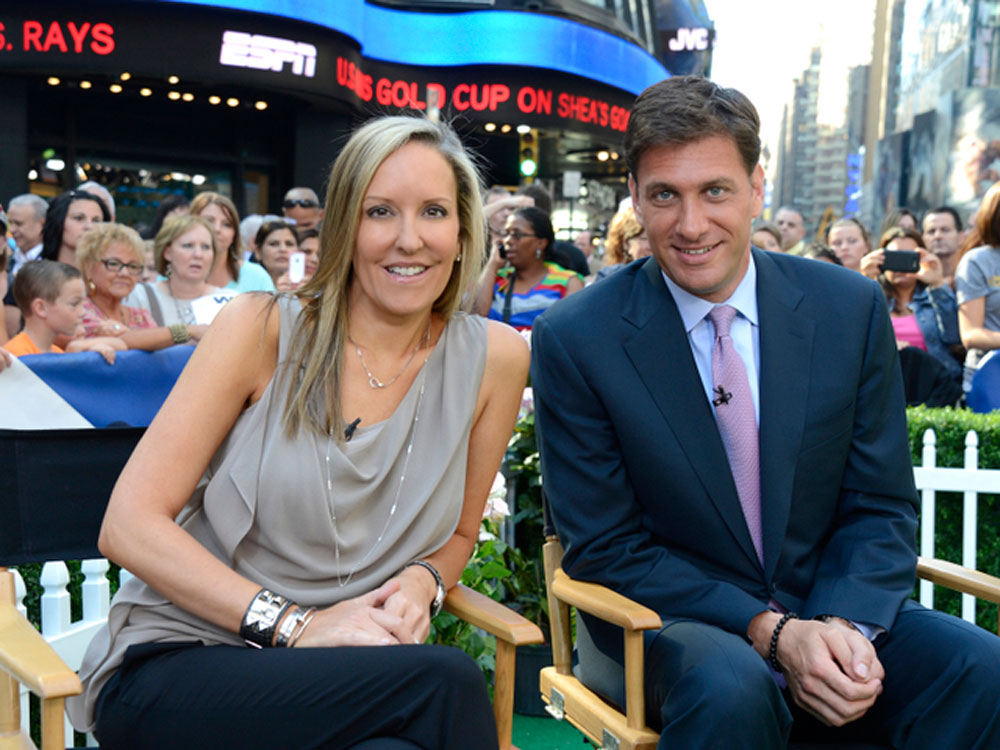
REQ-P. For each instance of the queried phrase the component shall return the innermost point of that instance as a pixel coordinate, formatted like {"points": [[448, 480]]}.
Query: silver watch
{"points": [[441, 591]]}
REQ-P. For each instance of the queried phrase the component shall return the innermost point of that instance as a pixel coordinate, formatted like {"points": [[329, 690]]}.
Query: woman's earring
{"points": [[169, 270], [458, 258], [538, 253], [91, 286]]}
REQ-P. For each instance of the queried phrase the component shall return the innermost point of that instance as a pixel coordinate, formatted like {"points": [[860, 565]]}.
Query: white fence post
{"points": [[96, 589], [55, 600], [970, 512], [927, 510]]}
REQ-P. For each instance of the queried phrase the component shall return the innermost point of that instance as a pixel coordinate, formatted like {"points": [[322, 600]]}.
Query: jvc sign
{"points": [[689, 40], [242, 50]]}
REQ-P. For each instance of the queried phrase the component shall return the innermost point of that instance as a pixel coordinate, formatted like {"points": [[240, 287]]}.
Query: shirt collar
{"points": [[693, 309]]}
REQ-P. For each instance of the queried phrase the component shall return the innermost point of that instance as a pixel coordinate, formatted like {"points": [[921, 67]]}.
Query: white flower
{"points": [[496, 502], [527, 404]]}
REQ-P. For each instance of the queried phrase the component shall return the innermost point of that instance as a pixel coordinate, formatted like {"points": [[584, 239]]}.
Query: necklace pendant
{"points": [[375, 382]]}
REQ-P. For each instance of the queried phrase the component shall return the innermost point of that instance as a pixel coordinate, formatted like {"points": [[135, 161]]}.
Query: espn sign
{"points": [[688, 40], [260, 52]]}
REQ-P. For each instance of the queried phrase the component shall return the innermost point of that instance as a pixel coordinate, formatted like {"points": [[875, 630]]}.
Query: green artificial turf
{"points": [[535, 733]]}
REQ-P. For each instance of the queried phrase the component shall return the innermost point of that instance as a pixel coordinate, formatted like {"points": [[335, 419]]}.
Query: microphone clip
{"points": [[724, 396]]}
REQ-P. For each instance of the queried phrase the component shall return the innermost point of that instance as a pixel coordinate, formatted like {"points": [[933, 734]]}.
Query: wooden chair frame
{"points": [[603, 724]]}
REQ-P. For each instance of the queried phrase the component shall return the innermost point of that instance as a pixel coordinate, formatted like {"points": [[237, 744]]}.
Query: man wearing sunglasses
{"points": [[301, 205]]}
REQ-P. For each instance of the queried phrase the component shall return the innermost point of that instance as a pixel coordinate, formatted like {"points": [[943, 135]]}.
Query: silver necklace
{"points": [[395, 500], [184, 317], [375, 382]]}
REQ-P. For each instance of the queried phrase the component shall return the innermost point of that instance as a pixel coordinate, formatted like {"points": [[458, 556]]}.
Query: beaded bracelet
{"points": [[261, 618], [772, 655], [179, 333]]}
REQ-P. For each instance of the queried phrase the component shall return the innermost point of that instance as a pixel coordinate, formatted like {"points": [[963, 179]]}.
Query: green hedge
{"points": [[950, 427]]}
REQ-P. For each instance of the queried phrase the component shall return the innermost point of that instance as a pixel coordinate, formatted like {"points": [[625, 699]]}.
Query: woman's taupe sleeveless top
{"points": [[264, 507]]}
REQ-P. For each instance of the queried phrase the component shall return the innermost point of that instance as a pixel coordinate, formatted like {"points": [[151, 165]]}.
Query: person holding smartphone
{"points": [[922, 305]]}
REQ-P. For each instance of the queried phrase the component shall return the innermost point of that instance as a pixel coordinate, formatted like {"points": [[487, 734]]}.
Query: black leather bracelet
{"points": [[262, 617], [772, 654]]}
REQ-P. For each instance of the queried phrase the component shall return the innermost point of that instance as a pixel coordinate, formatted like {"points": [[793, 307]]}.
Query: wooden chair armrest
{"points": [[496, 619], [26, 657], [602, 602], [953, 576]]}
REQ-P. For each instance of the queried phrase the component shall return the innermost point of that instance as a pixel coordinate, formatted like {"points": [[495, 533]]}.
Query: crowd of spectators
{"points": [[159, 290], [140, 293]]}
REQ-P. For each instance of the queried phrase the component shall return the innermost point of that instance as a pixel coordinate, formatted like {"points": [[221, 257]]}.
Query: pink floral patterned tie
{"points": [[737, 422]]}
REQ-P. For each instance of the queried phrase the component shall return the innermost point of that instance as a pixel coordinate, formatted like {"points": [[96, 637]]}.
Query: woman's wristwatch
{"points": [[441, 591]]}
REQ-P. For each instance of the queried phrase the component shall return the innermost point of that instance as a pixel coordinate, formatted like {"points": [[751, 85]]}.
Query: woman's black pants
{"points": [[185, 695]]}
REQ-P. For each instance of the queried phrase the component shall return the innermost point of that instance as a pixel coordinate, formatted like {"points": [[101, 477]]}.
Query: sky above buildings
{"points": [[762, 46]]}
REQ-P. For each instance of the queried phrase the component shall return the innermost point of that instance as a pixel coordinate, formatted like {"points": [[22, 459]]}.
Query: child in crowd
{"points": [[50, 296]]}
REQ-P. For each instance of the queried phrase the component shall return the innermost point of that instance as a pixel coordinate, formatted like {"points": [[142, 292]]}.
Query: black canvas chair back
{"points": [[54, 487]]}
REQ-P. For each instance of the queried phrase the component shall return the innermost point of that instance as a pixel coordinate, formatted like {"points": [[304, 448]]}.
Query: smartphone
{"points": [[296, 267], [907, 261]]}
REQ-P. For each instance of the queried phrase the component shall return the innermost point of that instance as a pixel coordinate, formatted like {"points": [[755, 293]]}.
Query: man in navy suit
{"points": [[781, 563]]}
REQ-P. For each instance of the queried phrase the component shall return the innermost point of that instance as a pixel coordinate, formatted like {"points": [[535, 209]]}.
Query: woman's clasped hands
{"points": [[397, 612]]}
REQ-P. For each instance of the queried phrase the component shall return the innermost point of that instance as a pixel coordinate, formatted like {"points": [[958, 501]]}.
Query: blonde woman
{"points": [[111, 259], [184, 301], [626, 242], [350, 433], [230, 270]]}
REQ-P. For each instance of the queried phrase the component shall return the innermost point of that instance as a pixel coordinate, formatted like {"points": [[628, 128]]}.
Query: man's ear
{"points": [[633, 190]]}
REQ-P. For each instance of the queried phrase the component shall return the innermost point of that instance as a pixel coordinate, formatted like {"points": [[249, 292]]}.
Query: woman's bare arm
{"points": [[499, 398], [223, 376], [971, 317]]}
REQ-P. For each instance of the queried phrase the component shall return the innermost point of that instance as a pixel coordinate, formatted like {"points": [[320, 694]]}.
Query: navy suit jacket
{"points": [[636, 474]]}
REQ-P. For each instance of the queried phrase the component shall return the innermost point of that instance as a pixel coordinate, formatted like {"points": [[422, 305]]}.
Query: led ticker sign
{"points": [[212, 47], [242, 50], [489, 97], [70, 37]]}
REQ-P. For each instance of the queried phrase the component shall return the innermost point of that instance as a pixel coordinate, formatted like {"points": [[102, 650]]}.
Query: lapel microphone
{"points": [[724, 396], [349, 430]]}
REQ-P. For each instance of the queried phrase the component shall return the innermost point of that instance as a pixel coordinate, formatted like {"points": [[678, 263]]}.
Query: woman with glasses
{"points": [[110, 257], [530, 282]]}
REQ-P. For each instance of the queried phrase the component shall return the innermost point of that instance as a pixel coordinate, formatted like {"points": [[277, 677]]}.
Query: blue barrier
{"points": [[129, 392]]}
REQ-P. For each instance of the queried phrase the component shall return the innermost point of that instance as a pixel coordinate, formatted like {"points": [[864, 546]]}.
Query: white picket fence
{"points": [[70, 639], [970, 481]]}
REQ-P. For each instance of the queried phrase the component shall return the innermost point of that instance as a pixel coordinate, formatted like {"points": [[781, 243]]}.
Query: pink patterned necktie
{"points": [[737, 422]]}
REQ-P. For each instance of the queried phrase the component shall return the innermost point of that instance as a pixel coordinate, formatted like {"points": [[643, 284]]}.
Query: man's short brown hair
{"points": [[684, 109]]}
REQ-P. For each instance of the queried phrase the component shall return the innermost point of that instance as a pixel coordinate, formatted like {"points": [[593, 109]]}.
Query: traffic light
{"points": [[528, 154]]}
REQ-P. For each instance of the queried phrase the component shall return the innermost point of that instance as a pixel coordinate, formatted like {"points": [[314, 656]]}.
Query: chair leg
{"points": [[503, 692], [53, 729]]}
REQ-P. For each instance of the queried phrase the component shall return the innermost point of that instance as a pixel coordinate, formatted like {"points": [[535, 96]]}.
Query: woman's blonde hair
{"points": [[317, 348], [234, 253], [173, 228], [99, 238], [624, 226]]}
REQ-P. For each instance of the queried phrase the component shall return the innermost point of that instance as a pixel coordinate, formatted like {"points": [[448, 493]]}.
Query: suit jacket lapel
{"points": [[661, 354], [786, 343]]}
